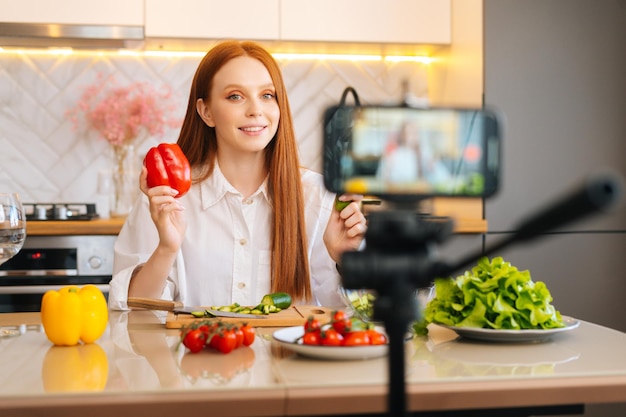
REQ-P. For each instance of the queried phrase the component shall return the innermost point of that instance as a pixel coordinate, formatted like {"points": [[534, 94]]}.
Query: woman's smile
{"points": [[256, 129]]}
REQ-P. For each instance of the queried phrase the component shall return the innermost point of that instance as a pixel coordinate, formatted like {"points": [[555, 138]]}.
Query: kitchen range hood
{"points": [[41, 35]]}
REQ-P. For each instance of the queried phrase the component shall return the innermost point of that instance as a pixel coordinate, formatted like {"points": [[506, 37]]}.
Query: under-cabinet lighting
{"points": [[328, 57], [278, 56], [175, 53], [408, 58], [60, 51]]}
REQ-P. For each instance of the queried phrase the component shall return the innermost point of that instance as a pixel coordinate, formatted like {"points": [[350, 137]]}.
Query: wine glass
{"points": [[12, 235], [12, 226]]}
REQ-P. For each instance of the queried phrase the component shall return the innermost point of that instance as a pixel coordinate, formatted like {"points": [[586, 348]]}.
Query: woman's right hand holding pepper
{"points": [[167, 213]]}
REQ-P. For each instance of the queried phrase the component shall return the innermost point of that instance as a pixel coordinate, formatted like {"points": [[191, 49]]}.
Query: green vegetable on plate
{"points": [[493, 295]]}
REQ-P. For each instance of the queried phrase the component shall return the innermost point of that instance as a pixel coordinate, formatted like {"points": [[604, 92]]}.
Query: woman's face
{"points": [[242, 107]]}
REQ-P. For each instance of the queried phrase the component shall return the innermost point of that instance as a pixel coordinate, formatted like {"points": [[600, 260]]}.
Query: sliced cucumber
{"points": [[270, 303]]}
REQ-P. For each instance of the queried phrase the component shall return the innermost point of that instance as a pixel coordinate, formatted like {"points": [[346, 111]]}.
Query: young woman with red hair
{"points": [[254, 220]]}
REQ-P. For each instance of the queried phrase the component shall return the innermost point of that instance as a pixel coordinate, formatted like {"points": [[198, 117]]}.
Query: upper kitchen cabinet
{"points": [[73, 12], [212, 19], [376, 21], [363, 21]]}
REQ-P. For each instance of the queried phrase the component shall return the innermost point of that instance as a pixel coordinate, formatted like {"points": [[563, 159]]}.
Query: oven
{"points": [[49, 262]]}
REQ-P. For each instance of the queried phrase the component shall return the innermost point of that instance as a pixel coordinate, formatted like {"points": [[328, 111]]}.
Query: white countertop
{"points": [[142, 369]]}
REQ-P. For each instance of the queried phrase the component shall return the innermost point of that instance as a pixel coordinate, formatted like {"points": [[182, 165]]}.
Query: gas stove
{"points": [[60, 211]]}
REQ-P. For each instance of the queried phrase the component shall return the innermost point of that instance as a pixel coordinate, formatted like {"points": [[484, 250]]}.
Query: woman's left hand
{"points": [[346, 228]]}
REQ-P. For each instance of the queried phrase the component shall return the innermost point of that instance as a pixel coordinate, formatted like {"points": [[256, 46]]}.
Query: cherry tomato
{"points": [[248, 334], [341, 322], [356, 338], [376, 337], [312, 325], [206, 331], [226, 340], [331, 337], [214, 340], [240, 336], [194, 340], [339, 315], [311, 338]]}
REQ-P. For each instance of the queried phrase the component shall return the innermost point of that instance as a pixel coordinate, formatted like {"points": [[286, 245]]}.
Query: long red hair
{"points": [[290, 265]]}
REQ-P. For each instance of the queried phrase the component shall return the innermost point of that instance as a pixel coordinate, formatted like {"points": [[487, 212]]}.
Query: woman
{"points": [[253, 221]]}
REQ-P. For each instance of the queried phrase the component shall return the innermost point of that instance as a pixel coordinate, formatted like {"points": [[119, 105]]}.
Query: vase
{"points": [[125, 180]]}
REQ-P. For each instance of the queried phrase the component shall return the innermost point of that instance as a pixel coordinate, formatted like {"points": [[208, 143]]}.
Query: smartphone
{"points": [[411, 153]]}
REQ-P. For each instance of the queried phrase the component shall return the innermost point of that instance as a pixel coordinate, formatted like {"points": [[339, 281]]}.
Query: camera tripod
{"points": [[398, 260]]}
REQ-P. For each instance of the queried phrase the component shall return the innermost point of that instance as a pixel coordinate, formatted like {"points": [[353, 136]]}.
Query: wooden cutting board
{"points": [[293, 316]]}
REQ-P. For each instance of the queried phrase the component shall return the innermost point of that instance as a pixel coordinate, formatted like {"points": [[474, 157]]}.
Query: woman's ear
{"points": [[204, 113]]}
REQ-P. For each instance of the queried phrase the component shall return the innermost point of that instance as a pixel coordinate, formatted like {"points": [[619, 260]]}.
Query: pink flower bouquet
{"points": [[121, 114]]}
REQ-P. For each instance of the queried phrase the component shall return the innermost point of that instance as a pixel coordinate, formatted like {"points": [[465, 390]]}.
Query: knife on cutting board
{"points": [[178, 308]]}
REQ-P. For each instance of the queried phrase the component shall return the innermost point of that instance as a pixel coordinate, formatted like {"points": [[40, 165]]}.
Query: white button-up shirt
{"points": [[225, 256]]}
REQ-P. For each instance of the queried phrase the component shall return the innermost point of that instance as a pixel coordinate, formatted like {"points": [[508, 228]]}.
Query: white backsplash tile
{"points": [[44, 159]]}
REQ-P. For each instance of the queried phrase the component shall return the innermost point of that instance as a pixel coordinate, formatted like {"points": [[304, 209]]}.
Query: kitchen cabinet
{"points": [[212, 19], [373, 21], [378, 21], [369, 21], [74, 12]]}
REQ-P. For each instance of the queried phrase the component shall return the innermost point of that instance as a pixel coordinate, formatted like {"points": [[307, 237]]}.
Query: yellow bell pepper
{"points": [[74, 314]]}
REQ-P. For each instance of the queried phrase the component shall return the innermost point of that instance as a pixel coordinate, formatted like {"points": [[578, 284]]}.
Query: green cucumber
{"points": [[340, 205], [280, 300]]}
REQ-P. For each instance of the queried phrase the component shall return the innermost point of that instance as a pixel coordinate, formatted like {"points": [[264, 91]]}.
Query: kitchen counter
{"points": [[135, 369], [466, 212], [110, 226]]}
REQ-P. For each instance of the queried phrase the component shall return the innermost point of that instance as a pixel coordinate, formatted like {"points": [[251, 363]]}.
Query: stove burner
{"points": [[60, 211]]}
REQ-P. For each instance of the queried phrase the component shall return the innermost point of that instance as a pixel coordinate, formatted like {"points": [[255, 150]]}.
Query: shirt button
{"points": [[242, 242], [248, 201], [241, 285]]}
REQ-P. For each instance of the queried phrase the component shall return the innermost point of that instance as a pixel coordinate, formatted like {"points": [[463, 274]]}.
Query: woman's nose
{"points": [[254, 108]]}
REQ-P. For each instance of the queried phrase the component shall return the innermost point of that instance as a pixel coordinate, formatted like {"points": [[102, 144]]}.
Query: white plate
{"points": [[531, 335], [289, 337]]}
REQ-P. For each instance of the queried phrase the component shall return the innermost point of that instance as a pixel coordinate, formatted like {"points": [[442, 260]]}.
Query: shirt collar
{"points": [[214, 188]]}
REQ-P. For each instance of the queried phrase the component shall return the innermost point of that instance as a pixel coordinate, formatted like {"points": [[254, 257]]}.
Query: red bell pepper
{"points": [[168, 165]]}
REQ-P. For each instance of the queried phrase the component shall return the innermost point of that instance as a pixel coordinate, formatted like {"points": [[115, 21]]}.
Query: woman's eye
{"points": [[234, 97], [268, 96]]}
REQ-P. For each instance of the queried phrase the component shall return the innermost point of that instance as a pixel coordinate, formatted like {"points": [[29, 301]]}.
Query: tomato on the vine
{"points": [[239, 338], [356, 338], [248, 334], [225, 340], [204, 328], [194, 340], [331, 337]]}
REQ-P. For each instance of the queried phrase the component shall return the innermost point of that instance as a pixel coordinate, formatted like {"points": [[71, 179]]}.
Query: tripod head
{"points": [[398, 260]]}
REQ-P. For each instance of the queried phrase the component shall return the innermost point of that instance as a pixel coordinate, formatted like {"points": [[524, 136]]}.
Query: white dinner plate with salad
{"points": [[501, 335], [291, 338]]}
